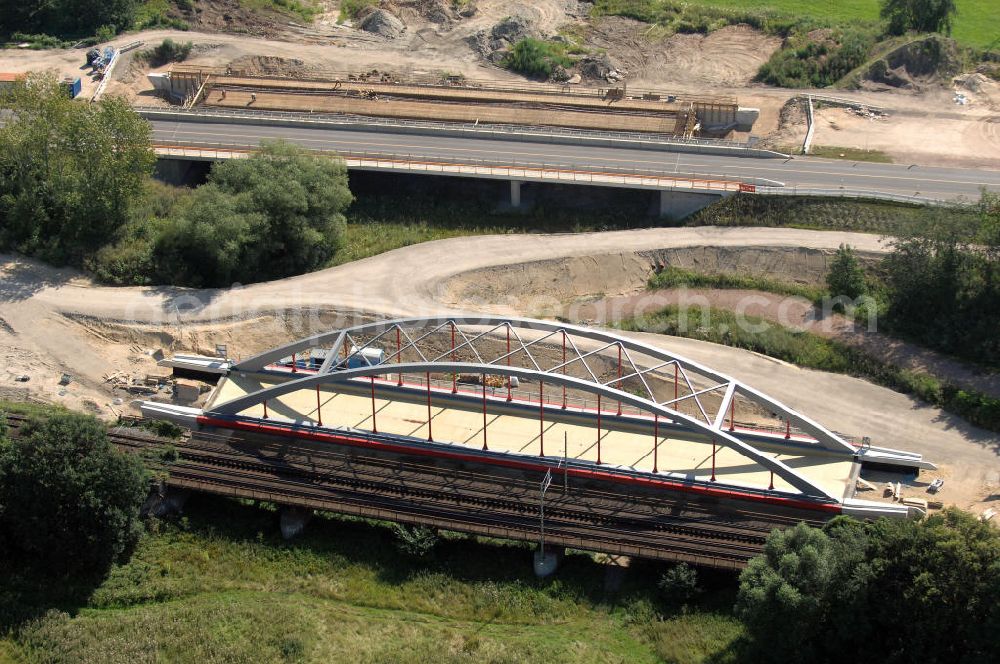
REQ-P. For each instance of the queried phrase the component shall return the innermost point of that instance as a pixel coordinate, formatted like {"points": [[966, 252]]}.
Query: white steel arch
{"points": [[342, 340], [343, 348], [719, 435]]}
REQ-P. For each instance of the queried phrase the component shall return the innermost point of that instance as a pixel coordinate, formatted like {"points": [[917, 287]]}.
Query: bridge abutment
{"points": [[677, 205]]}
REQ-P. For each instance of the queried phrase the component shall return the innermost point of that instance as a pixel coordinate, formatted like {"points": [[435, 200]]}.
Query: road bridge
{"points": [[529, 396], [730, 164]]}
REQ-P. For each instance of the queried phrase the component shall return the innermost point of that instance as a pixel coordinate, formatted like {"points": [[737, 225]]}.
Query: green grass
{"points": [[672, 277], [827, 214], [154, 14], [850, 154], [306, 10], [377, 223], [221, 586], [349, 9], [975, 24]]}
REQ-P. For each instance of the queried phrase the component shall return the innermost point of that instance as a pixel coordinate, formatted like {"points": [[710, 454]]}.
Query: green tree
{"points": [[65, 18], [69, 501], [276, 214], [943, 284], [876, 591], [846, 278], [919, 15], [70, 173]]}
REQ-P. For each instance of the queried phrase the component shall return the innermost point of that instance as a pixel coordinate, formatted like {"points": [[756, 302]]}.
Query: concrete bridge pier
{"points": [[546, 562], [165, 501], [293, 521], [676, 205], [515, 194]]}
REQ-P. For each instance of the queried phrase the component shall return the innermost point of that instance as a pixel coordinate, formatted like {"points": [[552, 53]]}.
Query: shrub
{"points": [[415, 541], [679, 584], [845, 277], [169, 51], [536, 58], [69, 501]]}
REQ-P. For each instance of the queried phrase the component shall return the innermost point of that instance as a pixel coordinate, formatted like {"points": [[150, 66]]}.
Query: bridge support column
{"points": [[676, 205], [546, 562], [293, 521], [615, 570], [515, 194], [165, 501]]}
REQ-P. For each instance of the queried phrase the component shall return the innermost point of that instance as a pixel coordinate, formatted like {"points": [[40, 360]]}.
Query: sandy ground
{"points": [[91, 331]]}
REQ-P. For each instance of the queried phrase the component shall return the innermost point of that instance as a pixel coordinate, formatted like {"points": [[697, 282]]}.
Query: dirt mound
{"points": [[382, 22], [232, 16], [266, 65], [730, 56], [916, 66], [493, 43]]}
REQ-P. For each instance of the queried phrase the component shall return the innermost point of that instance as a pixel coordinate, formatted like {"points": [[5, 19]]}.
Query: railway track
{"points": [[316, 476]]}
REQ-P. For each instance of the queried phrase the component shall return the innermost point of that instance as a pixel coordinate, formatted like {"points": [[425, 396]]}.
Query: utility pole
{"points": [[546, 481], [565, 463]]}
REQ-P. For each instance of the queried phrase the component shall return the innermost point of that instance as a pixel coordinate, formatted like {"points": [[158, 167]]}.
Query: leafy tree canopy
{"points": [[65, 18], [919, 15], [70, 173], [276, 214], [69, 501], [882, 591]]}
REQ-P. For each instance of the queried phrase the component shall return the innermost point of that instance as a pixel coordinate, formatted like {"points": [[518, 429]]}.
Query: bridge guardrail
{"points": [[509, 170]]}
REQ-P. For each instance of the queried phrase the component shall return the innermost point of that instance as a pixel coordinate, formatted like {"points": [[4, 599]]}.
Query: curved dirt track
{"points": [[419, 280]]}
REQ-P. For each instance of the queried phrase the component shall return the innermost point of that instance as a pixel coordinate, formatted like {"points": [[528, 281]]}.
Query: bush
{"points": [[942, 285], [70, 174], [846, 279], [415, 541], [69, 501], [65, 18], [536, 58], [168, 51], [807, 62], [679, 584], [350, 9]]}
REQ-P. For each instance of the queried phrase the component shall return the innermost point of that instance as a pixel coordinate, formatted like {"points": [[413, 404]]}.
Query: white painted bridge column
{"points": [[515, 194]]}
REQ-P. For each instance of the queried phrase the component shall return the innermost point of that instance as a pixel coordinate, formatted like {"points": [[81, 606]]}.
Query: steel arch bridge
{"points": [[661, 390]]}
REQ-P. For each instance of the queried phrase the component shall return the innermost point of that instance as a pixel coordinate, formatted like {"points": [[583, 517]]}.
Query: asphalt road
{"points": [[801, 172]]}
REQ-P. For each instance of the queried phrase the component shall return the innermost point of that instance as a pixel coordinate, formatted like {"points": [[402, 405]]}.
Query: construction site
{"points": [[460, 100]]}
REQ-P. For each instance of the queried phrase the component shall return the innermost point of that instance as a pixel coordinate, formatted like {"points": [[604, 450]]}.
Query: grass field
{"points": [[221, 586], [977, 23]]}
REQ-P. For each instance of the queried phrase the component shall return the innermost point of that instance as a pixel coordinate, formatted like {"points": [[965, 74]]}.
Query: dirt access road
{"points": [[55, 321]]}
